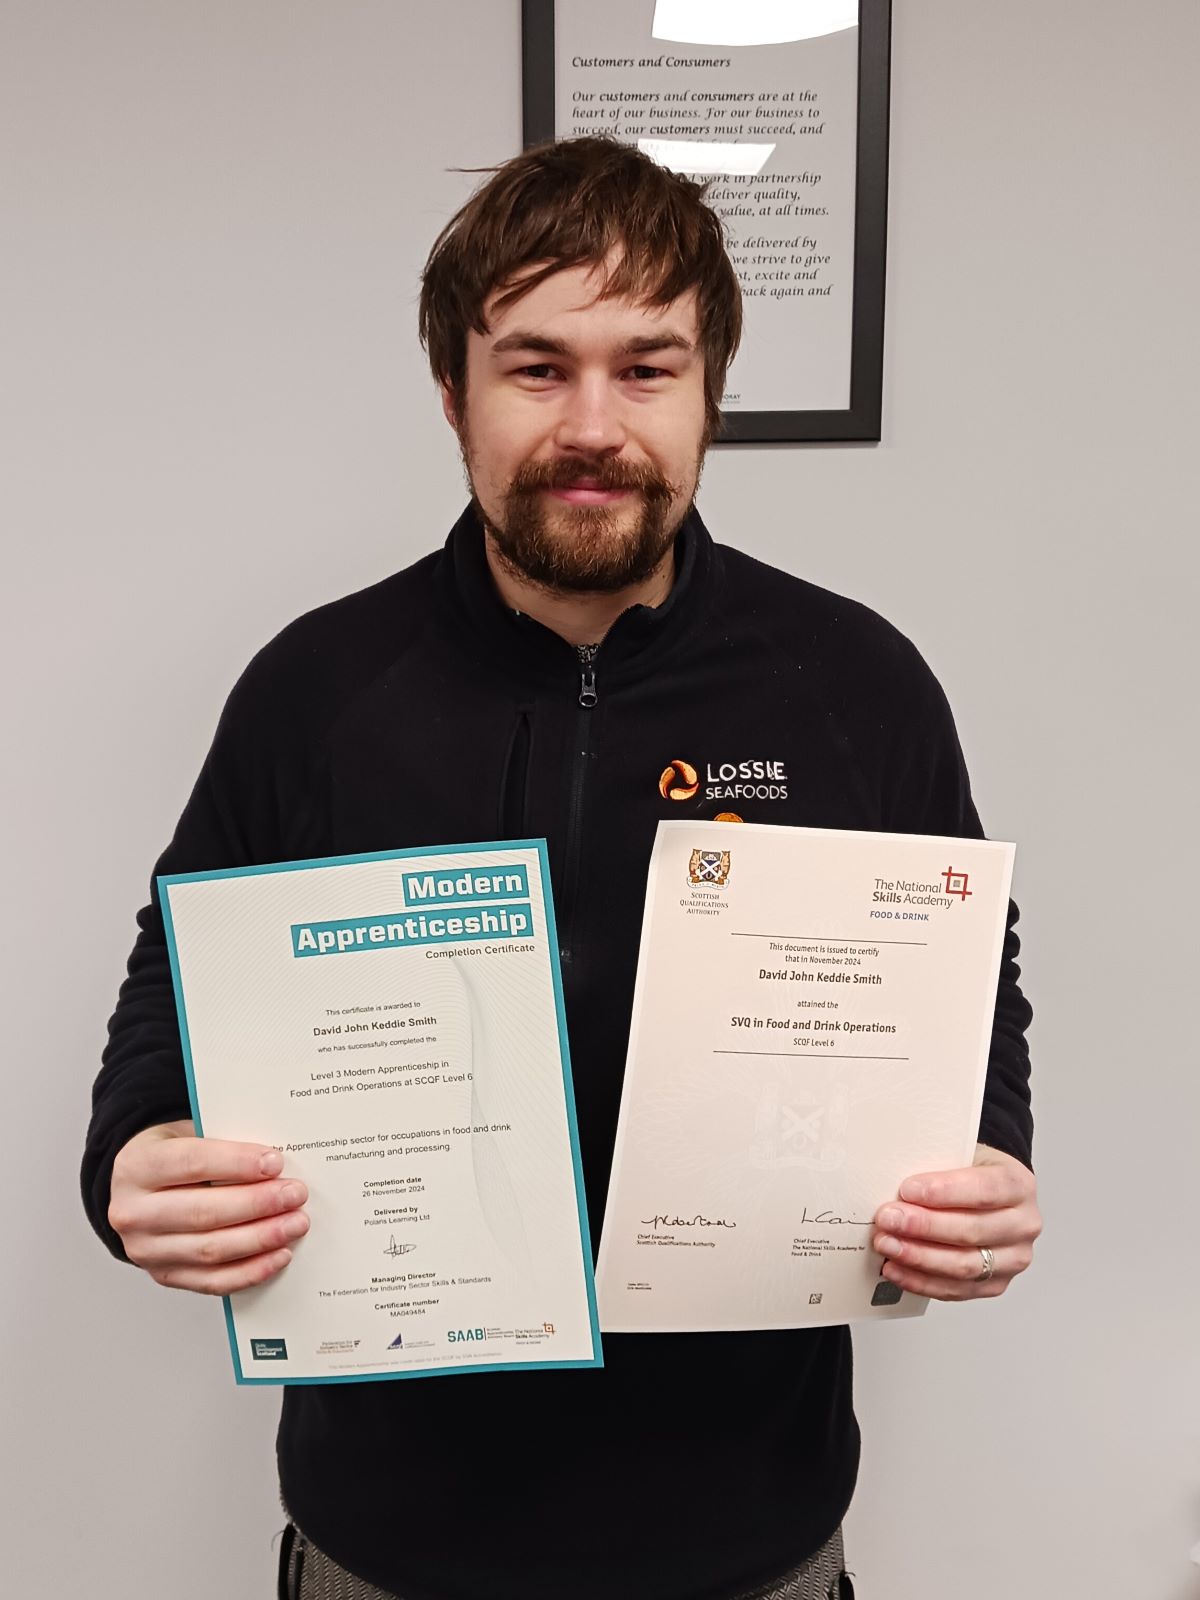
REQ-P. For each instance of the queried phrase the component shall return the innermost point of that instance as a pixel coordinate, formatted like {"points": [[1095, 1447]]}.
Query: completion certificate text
{"points": [[393, 1024], [811, 1025]]}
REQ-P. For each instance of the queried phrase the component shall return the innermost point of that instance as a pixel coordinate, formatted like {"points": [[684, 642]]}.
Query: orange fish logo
{"points": [[679, 781]]}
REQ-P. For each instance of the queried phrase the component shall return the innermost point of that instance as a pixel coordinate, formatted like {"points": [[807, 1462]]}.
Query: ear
{"points": [[449, 407]]}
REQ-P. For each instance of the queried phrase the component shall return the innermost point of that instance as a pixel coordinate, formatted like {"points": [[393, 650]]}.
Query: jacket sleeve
{"points": [[929, 791], [234, 817]]}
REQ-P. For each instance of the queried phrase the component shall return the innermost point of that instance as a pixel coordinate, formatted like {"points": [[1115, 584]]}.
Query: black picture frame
{"points": [[862, 420]]}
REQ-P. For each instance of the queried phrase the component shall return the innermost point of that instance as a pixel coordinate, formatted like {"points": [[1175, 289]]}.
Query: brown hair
{"points": [[568, 204]]}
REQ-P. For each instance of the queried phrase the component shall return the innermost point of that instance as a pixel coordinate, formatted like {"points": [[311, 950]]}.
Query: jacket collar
{"points": [[509, 641]]}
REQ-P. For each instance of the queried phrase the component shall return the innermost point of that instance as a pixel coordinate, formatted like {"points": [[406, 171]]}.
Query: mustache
{"points": [[608, 473]]}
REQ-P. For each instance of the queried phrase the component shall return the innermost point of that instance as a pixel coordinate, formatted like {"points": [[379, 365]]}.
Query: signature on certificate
{"points": [[394, 1249], [662, 1220], [826, 1219]]}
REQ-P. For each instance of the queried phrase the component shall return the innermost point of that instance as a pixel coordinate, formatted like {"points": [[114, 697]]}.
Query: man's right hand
{"points": [[204, 1214]]}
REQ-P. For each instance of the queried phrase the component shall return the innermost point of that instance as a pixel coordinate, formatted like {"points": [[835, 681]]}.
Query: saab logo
{"points": [[397, 1343], [460, 1335], [679, 781], [269, 1349], [710, 868], [956, 883]]}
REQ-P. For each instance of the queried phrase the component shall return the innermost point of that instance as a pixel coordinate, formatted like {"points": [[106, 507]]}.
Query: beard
{"points": [[586, 549]]}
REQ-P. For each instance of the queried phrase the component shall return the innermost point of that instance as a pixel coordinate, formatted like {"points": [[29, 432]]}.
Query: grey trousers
{"points": [[307, 1573]]}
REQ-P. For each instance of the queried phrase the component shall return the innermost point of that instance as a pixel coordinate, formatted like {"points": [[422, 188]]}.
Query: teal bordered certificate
{"points": [[393, 1024]]}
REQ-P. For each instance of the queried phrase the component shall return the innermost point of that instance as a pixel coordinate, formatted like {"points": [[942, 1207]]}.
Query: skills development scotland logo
{"points": [[268, 1350]]}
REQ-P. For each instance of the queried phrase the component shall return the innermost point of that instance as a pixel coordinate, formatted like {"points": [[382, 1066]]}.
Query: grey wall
{"points": [[215, 416]]}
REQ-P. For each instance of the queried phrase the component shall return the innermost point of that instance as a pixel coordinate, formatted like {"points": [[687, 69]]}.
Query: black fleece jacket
{"points": [[423, 712]]}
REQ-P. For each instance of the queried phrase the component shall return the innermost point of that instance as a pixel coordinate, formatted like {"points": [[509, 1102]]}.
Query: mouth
{"points": [[587, 494]]}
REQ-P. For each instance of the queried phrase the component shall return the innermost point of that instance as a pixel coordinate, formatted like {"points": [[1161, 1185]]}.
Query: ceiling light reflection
{"points": [[738, 22], [705, 155]]}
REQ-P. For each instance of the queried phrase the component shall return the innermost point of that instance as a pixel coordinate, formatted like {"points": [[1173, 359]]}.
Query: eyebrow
{"points": [[540, 342]]}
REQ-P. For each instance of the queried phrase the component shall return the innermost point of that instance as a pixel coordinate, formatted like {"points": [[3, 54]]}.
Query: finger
{"points": [[985, 1187], [221, 1247], [962, 1266], [1014, 1225], [165, 1163], [204, 1209], [223, 1280], [936, 1287]]}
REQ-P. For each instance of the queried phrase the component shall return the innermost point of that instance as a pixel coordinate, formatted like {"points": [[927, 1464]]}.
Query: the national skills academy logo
{"points": [[709, 869], [956, 883]]}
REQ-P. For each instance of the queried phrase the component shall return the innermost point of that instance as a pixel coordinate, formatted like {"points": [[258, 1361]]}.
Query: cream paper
{"points": [[811, 1025]]}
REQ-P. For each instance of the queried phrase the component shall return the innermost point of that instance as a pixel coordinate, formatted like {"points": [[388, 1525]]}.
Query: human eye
{"points": [[647, 374], [537, 372]]}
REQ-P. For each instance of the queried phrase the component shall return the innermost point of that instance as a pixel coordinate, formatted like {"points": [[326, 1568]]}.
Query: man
{"points": [[578, 634]]}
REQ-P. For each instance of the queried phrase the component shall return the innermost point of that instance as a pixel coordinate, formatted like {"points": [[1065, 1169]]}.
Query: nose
{"points": [[590, 421]]}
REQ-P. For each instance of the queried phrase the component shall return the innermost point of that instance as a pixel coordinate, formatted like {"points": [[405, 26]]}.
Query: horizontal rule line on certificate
{"points": [[817, 1055], [820, 938]]}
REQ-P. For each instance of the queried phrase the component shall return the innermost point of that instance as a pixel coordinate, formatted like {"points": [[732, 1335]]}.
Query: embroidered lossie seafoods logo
{"points": [[679, 781], [725, 780], [745, 780]]}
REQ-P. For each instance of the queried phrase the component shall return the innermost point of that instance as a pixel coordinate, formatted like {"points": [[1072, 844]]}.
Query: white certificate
{"points": [[810, 1026], [393, 1023]]}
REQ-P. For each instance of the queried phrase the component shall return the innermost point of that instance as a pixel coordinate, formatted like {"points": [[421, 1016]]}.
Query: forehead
{"points": [[567, 306]]}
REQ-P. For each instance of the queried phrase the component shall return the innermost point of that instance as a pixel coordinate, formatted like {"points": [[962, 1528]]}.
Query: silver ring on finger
{"points": [[989, 1264]]}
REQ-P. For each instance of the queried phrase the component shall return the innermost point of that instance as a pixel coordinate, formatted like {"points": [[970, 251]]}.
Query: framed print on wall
{"points": [[782, 106]]}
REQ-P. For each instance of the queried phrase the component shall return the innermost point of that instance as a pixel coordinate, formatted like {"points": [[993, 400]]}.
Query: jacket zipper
{"points": [[587, 674], [587, 654]]}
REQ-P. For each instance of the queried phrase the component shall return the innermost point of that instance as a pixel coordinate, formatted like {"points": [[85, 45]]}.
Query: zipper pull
{"points": [[587, 674]]}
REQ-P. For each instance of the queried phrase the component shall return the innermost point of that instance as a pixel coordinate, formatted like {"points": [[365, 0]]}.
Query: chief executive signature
{"points": [[827, 1219], [698, 1221]]}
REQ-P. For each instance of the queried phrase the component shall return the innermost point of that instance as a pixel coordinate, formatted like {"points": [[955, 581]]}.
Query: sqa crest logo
{"points": [[709, 869]]}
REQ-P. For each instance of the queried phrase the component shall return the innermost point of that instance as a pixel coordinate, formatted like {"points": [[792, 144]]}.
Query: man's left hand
{"points": [[934, 1236]]}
